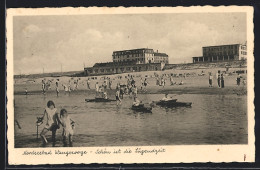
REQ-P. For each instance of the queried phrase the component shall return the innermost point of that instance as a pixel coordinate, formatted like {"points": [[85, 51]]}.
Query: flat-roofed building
{"points": [[121, 67], [222, 53]]}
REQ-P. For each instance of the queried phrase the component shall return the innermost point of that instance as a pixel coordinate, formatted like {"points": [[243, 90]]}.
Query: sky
{"points": [[67, 43]]}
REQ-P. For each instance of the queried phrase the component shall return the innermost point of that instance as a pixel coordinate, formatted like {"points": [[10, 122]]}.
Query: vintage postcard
{"points": [[130, 85]]}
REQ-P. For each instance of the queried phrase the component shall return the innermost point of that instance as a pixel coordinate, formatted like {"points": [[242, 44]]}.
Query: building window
{"points": [[102, 70]]}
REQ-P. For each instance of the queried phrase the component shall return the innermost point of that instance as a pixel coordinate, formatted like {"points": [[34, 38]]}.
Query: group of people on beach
{"points": [[46, 85], [161, 80], [55, 120], [129, 88], [220, 79], [101, 90]]}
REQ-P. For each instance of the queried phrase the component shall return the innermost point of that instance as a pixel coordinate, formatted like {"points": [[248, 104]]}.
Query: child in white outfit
{"points": [[68, 126], [52, 122]]}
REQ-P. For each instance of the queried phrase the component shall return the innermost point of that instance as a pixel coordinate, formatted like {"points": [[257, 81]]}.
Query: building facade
{"points": [[121, 67], [140, 56], [161, 58], [222, 53], [135, 60]]}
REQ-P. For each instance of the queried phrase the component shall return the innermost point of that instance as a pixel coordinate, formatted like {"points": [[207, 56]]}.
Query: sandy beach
{"points": [[194, 83]]}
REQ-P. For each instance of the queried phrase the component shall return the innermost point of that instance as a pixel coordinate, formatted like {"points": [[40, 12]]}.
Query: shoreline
{"points": [[239, 90]]}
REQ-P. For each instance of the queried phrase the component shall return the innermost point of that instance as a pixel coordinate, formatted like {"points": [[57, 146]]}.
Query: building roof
{"points": [[220, 45], [197, 57], [133, 50], [161, 54], [118, 64], [111, 64]]}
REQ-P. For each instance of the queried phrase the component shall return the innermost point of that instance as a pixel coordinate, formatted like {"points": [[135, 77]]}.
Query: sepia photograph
{"points": [[136, 77]]}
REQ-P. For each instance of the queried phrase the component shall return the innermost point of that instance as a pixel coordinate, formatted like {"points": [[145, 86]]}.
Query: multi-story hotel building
{"points": [[140, 56], [222, 53], [135, 60]]}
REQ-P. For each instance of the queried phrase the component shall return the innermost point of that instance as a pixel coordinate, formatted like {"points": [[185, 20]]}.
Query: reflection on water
{"points": [[212, 119]]}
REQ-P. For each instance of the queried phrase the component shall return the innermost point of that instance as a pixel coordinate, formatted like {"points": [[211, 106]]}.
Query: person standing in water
{"points": [[219, 80], [88, 83], [238, 79], [118, 100], [97, 89], [43, 87], [210, 80], [121, 92], [110, 83], [57, 88], [135, 91], [222, 81], [67, 126], [52, 122]]}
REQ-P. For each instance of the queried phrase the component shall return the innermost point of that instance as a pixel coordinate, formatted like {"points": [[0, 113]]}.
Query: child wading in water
{"points": [[52, 122], [68, 126]]}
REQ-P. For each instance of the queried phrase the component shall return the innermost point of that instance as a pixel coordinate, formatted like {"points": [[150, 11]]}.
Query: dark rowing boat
{"points": [[163, 102], [173, 103], [141, 108], [99, 100]]}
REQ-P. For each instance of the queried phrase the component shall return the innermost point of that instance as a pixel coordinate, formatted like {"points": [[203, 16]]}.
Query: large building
{"points": [[222, 53], [136, 60], [121, 67], [140, 56]]}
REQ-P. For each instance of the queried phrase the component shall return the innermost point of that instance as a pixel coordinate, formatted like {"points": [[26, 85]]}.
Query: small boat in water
{"points": [[141, 108], [173, 103], [99, 99]]}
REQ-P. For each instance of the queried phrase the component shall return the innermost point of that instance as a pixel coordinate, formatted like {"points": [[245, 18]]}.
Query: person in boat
{"points": [[52, 122], [166, 98], [67, 126], [136, 102], [118, 99]]}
